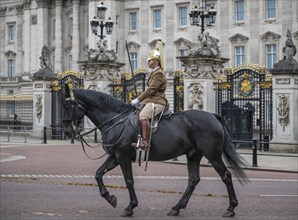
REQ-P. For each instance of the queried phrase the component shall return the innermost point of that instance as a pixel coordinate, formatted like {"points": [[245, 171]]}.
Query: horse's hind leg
{"points": [[193, 166], [226, 177], [108, 165]]}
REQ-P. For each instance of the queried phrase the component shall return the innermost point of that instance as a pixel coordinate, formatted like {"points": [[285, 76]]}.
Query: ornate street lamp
{"points": [[202, 15], [100, 22]]}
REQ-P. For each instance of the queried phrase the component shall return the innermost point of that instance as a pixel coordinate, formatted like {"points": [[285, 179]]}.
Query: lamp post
{"points": [[99, 22], [202, 15]]}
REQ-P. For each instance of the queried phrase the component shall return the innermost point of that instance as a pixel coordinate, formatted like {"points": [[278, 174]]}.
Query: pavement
{"points": [[266, 161]]}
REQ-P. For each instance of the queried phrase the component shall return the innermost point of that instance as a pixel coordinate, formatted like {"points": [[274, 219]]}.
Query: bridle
{"points": [[76, 121]]}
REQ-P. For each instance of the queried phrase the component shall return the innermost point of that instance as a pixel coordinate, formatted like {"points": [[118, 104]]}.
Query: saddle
{"points": [[134, 118]]}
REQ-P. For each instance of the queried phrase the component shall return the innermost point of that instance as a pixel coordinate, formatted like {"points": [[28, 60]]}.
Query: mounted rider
{"points": [[154, 96]]}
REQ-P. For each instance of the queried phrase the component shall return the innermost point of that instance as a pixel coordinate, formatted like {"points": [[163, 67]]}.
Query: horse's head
{"points": [[73, 111]]}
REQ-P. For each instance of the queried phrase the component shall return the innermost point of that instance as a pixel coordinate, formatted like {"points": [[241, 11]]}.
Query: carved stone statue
{"points": [[206, 47], [102, 54], [45, 62], [289, 51], [38, 106], [195, 98], [283, 111]]}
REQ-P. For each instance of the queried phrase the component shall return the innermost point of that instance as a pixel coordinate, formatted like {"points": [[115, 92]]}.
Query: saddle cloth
{"points": [[134, 118]]}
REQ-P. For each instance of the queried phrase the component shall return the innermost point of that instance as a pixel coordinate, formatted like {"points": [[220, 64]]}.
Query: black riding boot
{"points": [[145, 128]]}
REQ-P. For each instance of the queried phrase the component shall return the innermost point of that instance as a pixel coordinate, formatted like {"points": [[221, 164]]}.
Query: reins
{"points": [[107, 122], [82, 140]]}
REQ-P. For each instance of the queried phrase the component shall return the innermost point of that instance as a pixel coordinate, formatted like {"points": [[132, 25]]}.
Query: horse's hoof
{"points": [[113, 201], [127, 213], [173, 212], [229, 214]]}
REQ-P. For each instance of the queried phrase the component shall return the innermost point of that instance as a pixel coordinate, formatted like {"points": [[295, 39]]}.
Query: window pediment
{"points": [[153, 43], [133, 45], [10, 54], [182, 41], [270, 36], [238, 38]]}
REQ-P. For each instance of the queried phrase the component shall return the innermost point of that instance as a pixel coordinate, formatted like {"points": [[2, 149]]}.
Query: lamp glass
{"points": [[101, 11]]}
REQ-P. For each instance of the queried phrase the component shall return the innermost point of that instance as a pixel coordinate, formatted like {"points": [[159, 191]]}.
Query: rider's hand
{"points": [[134, 102]]}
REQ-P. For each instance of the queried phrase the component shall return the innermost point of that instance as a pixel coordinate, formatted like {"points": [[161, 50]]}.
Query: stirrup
{"points": [[144, 145]]}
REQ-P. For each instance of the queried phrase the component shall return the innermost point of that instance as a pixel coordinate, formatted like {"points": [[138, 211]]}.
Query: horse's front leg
{"points": [[126, 168], [108, 165]]}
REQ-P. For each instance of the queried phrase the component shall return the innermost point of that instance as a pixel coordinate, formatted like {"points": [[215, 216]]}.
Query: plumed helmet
{"points": [[157, 53], [154, 55]]}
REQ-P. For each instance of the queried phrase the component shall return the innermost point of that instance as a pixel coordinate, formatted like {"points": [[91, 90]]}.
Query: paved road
{"points": [[57, 182]]}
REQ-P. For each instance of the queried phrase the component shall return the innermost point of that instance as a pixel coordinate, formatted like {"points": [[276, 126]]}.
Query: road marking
{"points": [[278, 195], [135, 177], [8, 157]]}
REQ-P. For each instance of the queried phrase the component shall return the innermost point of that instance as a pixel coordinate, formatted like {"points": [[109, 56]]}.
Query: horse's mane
{"points": [[99, 99]]}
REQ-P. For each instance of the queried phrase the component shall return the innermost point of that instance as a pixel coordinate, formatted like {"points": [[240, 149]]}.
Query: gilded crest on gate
{"points": [[246, 85]]}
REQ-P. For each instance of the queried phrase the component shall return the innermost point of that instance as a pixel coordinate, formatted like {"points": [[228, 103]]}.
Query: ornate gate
{"points": [[245, 102], [70, 77], [129, 87], [178, 91]]}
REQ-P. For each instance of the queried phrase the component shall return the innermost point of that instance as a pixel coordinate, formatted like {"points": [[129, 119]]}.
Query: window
{"points": [[11, 104], [134, 60], [54, 28], [11, 32], [70, 62], [133, 21], [239, 10], [270, 55], [183, 16], [181, 53], [11, 71], [239, 55], [157, 19], [70, 26], [270, 9]]}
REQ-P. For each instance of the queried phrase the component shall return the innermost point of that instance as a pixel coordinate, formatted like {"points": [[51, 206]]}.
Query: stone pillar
{"points": [[42, 96], [285, 108], [42, 106], [58, 37], [26, 37], [199, 82], [42, 24], [76, 36], [285, 100], [202, 67]]}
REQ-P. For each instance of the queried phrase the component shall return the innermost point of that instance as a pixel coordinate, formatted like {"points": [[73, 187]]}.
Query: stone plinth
{"points": [[199, 81], [285, 110], [42, 101]]}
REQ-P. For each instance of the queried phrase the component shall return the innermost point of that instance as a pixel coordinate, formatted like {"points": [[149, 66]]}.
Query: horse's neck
{"points": [[99, 117]]}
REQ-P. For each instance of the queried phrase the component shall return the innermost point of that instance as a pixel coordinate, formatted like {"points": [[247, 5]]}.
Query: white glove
{"points": [[134, 102]]}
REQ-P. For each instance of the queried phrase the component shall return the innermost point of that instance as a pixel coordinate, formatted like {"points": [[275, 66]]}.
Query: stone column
{"points": [[26, 36], [42, 106], [76, 36], [285, 100], [202, 67], [285, 108], [42, 24], [199, 82], [58, 37]]}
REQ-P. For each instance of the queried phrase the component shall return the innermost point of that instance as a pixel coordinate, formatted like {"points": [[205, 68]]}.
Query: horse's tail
{"points": [[232, 158]]}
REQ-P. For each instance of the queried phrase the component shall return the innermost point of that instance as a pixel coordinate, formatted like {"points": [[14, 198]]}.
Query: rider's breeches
{"points": [[146, 112]]}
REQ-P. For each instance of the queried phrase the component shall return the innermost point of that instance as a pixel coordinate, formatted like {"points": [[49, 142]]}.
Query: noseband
{"points": [[75, 121]]}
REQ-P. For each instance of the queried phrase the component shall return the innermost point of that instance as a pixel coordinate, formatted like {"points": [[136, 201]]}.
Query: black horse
{"points": [[193, 133]]}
